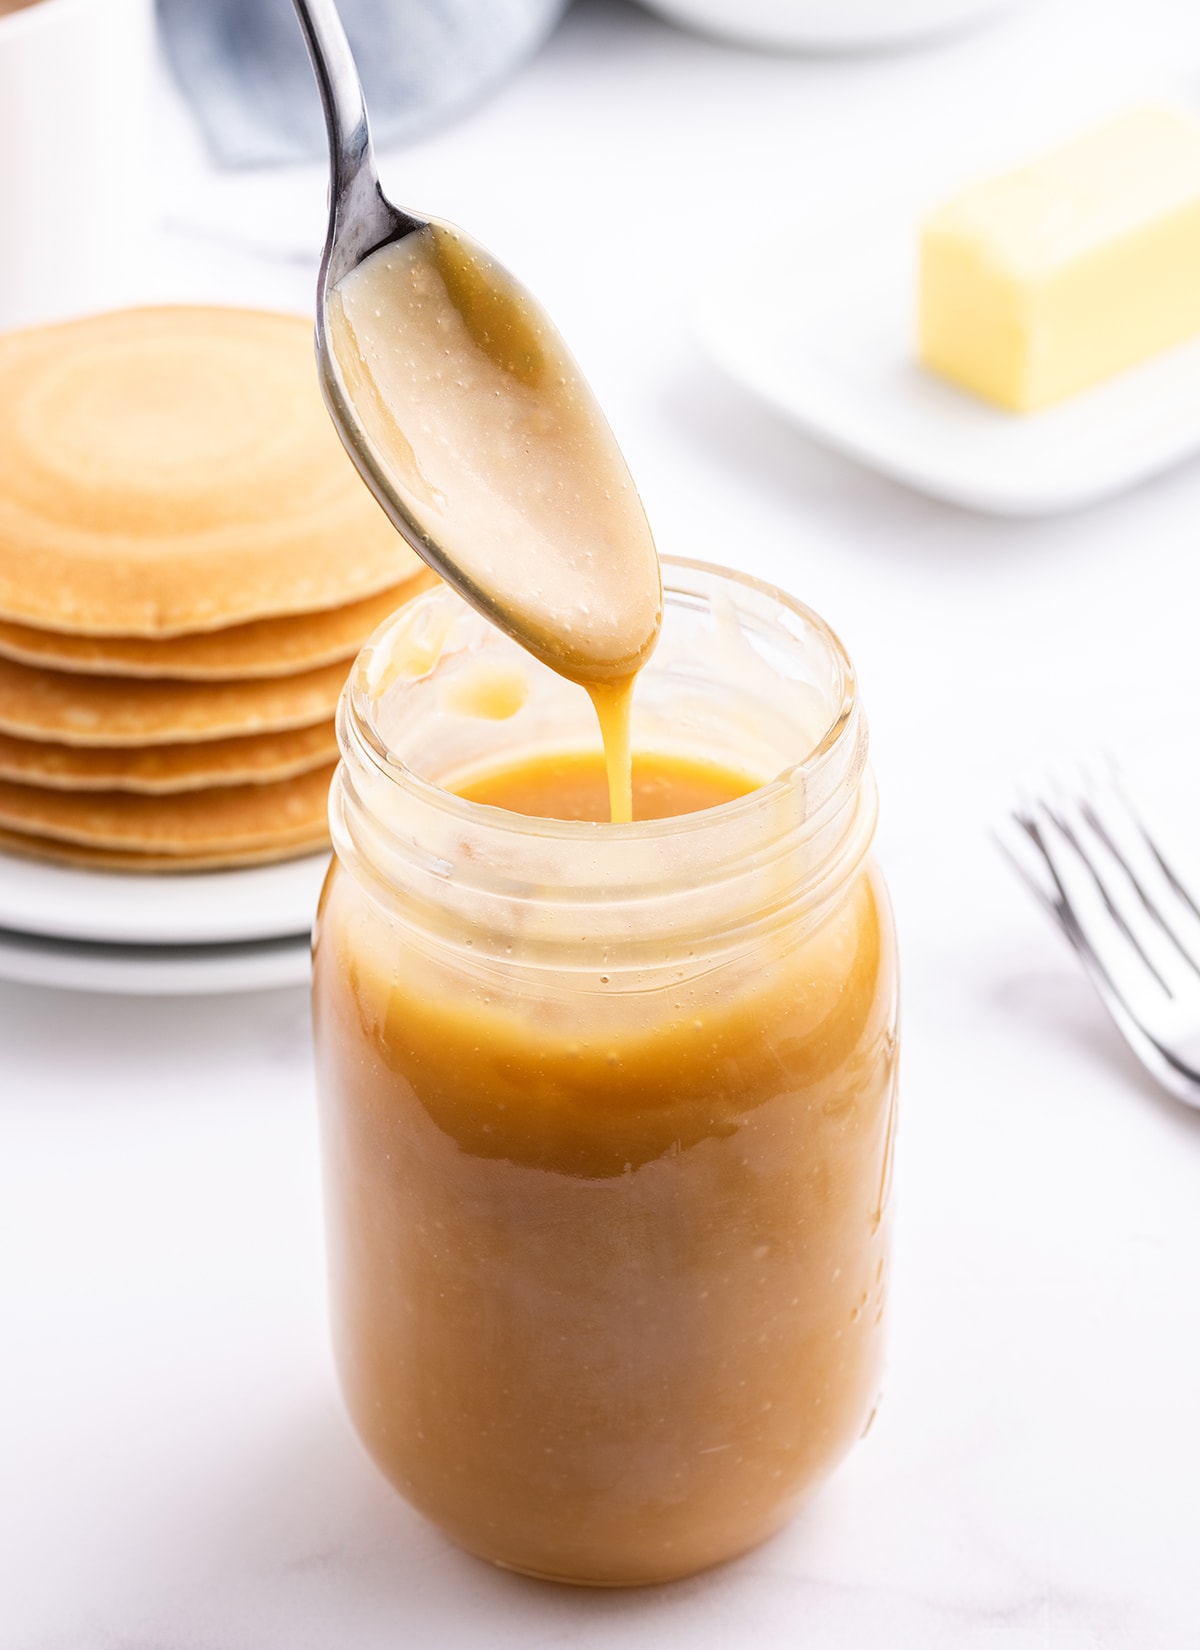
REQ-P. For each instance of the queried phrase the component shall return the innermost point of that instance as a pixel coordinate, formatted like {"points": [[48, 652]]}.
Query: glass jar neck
{"points": [[743, 676]]}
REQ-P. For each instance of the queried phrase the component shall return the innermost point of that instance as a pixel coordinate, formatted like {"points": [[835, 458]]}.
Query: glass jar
{"points": [[607, 1111]]}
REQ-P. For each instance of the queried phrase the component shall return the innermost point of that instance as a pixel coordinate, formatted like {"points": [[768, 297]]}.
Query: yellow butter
{"points": [[1040, 283]]}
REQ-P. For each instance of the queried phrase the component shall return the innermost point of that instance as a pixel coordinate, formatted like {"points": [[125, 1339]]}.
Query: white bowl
{"points": [[825, 25]]}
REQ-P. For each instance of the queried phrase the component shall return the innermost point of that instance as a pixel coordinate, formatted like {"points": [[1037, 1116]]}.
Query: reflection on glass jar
{"points": [[607, 1111]]}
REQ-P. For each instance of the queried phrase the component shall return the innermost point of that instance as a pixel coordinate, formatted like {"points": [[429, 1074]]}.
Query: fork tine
{"points": [[1157, 885], [1094, 866], [1046, 895], [1172, 879], [1152, 906], [1109, 918], [1024, 853]]}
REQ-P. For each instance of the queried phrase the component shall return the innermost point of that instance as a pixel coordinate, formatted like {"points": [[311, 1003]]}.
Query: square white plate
{"points": [[822, 325]]}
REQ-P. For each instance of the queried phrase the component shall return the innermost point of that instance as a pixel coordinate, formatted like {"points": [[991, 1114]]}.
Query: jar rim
{"points": [[357, 724]]}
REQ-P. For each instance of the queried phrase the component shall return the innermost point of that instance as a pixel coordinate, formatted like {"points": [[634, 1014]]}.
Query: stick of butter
{"points": [[1040, 283]]}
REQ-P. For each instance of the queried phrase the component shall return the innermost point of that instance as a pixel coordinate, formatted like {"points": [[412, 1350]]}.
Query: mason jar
{"points": [[607, 1111]]}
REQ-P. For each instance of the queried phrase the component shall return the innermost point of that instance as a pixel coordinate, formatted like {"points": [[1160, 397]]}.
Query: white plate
{"points": [[822, 326], [204, 908], [826, 25], [149, 971]]}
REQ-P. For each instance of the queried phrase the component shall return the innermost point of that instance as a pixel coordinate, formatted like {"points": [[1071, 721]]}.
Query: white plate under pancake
{"points": [[154, 971], [257, 902]]}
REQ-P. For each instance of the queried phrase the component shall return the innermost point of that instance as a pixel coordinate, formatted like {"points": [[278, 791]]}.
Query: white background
{"points": [[175, 1469]]}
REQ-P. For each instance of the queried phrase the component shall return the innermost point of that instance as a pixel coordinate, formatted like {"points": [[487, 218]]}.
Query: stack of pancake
{"points": [[188, 563]]}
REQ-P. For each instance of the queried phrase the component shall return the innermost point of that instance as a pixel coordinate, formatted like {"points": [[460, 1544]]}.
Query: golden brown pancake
{"points": [[157, 769], [166, 471], [225, 819], [116, 710], [264, 647], [107, 859]]}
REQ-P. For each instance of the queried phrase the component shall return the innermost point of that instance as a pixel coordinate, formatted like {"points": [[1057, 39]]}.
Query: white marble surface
{"points": [[175, 1469]]}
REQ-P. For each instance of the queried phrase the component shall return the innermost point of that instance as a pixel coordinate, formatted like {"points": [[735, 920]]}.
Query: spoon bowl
{"points": [[467, 416]]}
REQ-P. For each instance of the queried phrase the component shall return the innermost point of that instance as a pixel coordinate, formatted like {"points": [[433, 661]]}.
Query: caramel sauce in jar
{"points": [[607, 1110]]}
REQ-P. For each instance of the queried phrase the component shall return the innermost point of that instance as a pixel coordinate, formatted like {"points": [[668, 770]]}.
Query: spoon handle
{"points": [[361, 217]]}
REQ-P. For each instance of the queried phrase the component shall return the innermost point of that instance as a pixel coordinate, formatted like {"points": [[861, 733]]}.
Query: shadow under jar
{"points": [[607, 1111]]}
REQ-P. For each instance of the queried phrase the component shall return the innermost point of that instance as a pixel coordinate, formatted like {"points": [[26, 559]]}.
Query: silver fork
{"points": [[1088, 858]]}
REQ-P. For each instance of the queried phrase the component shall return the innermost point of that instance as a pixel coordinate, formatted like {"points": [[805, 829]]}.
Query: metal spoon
{"points": [[533, 517]]}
